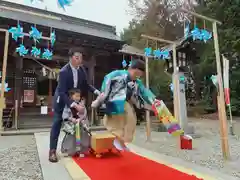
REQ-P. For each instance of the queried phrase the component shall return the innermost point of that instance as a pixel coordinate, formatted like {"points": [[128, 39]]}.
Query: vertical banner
{"points": [[226, 80], [227, 90]]}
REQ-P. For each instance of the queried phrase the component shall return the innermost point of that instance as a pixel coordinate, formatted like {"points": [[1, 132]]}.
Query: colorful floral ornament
{"points": [[21, 50], [148, 51], [17, 32], [124, 63], [53, 38], [196, 33], [165, 54], [35, 52], [63, 3], [157, 53], [47, 54], [206, 35], [35, 34]]}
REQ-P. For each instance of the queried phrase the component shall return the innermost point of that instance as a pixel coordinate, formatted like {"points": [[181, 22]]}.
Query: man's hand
{"points": [[95, 104], [97, 92]]}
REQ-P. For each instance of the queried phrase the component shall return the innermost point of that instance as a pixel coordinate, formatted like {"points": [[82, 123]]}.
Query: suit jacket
{"points": [[65, 83]]}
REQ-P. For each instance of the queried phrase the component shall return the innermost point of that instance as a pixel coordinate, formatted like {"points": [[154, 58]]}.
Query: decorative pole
{"points": [[4, 68]]}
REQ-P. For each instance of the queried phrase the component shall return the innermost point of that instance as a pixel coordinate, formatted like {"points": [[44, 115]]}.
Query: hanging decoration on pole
{"points": [[157, 54], [17, 32], [47, 54], [197, 33], [35, 52], [53, 38], [21, 50], [35, 34], [124, 63], [63, 3], [214, 80]]}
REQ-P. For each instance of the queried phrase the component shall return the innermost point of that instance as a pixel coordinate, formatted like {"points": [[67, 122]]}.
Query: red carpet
{"points": [[128, 166]]}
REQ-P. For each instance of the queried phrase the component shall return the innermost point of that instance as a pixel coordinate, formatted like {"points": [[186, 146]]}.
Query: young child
{"points": [[72, 120], [120, 90]]}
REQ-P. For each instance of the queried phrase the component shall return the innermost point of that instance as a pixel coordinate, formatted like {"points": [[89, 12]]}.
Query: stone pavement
{"points": [[67, 169]]}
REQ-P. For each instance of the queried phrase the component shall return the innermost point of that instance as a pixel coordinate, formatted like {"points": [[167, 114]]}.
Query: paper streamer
{"points": [[77, 134]]}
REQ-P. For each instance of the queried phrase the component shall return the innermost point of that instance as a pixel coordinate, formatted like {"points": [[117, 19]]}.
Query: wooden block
{"points": [[102, 141]]}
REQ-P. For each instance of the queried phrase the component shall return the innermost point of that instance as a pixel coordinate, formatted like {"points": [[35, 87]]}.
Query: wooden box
{"points": [[102, 141]]}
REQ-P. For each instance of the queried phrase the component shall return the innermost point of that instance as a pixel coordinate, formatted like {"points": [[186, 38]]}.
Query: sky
{"points": [[111, 12]]}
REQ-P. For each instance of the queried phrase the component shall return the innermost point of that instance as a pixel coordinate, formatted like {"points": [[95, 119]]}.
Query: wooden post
{"points": [[221, 102], [148, 120], [175, 83], [16, 114], [4, 68]]}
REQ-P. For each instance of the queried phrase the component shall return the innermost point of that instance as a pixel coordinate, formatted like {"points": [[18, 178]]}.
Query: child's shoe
{"points": [[81, 155]]}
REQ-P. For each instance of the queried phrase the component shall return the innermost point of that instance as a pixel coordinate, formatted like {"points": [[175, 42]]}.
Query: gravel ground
{"points": [[19, 158], [207, 149]]}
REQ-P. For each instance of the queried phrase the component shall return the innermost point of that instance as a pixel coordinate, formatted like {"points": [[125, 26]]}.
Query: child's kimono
{"points": [[119, 93], [69, 144]]}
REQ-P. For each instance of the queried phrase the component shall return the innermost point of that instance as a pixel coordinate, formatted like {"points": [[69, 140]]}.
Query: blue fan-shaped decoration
{"points": [[165, 54], [157, 53], [124, 63], [148, 51], [6, 88], [53, 38], [196, 33], [47, 54], [35, 34], [130, 64], [21, 50], [63, 3], [214, 80], [17, 32], [35, 52], [206, 35]]}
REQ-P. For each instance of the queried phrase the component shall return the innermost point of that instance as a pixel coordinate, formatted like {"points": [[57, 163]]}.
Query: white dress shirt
{"points": [[75, 75]]}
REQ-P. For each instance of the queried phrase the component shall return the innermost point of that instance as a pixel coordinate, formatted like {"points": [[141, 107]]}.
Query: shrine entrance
{"points": [[36, 91]]}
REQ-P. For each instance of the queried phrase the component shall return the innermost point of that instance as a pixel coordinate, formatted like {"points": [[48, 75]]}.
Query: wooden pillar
{"points": [[91, 76], [18, 88], [221, 101], [4, 69]]}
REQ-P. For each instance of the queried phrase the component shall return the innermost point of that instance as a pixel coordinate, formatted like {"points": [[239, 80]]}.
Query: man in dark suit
{"points": [[72, 75]]}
